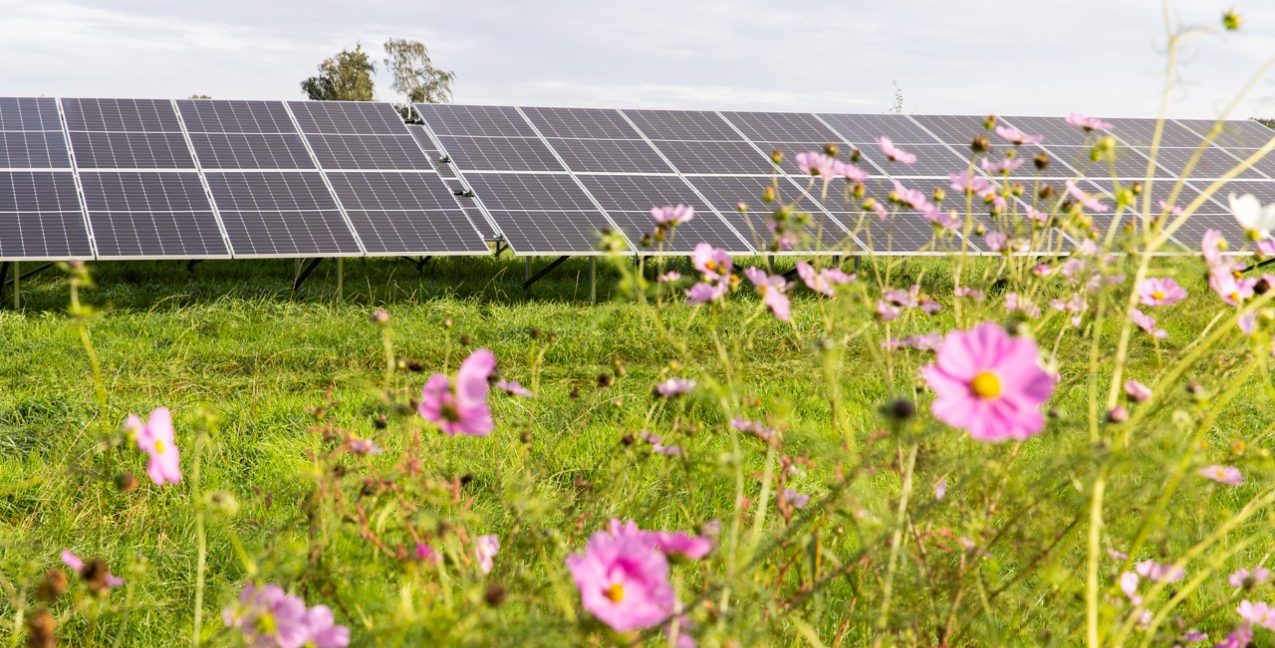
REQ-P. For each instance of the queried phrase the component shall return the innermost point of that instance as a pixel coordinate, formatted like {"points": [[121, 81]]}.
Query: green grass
{"points": [[232, 338]]}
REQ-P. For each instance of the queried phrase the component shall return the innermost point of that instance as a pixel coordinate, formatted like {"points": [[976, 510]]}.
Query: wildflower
{"points": [[675, 387], [670, 276], [1154, 571], [703, 293], [943, 219], [940, 488], [461, 408], [324, 633], [1037, 216], [850, 172], [1259, 614], [878, 209], [914, 198], [995, 240], [513, 388], [714, 264], [1228, 475], [155, 438], [791, 497], [969, 292], [1233, 291], [485, 549], [1089, 202], [1001, 167], [923, 342], [1017, 137], [94, 572], [894, 153], [966, 182], [816, 164], [1170, 208], [989, 384], [929, 306], [822, 281], [1240, 637], [1136, 391], [1016, 303], [426, 553], [1247, 579], [623, 581], [755, 427], [380, 317], [1129, 585], [1087, 124], [1231, 20], [1212, 246], [772, 289], [1147, 324], [886, 311], [1256, 219], [1160, 292], [362, 446], [268, 615], [672, 215], [658, 447], [1117, 414]]}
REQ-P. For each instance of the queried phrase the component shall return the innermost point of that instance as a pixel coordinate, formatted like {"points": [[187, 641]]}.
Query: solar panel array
{"points": [[153, 179]]}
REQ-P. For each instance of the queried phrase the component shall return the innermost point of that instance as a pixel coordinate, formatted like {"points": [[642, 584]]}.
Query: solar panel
{"points": [[725, 193], [230, 116], [151, 215], [587, 123], [782, 127], [33, 150], [682, 125], [904, 232], [1235, 133], [1212, 163], [406, 213], [251, 151], [1055, 130], [541, 213], [29, 114], [628, 201], [483, 121], [112, 150], [530, 192], [715, 157], [958, 130], [614, 156], [347, 117], [865, 129], [368, 152], [281, 214], [499, 153], [121, 115], [1140, 132]]}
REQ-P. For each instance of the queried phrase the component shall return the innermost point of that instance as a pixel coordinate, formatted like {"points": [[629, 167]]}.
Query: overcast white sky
{"points": [[1104, 57]]}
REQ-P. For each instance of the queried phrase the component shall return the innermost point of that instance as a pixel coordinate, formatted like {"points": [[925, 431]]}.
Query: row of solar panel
{"points": [[604, 168], [140, 178]]}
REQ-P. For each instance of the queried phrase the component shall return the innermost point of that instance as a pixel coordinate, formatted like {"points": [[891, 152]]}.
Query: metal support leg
{"points": [[190, 265], [420, 265], [593, 279], [543, 271], [304, 274], [340, 278], [4, 273], [17, 277], [526, 272], [857, 260], [770, 263]]}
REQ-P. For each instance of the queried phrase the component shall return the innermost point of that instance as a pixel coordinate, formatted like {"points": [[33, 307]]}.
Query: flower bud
{"points": [[989, 122], [741, 207], [1046, 192], [1117, 414], [939, 194], [980, 144], [1041, 160], [1231, 20], [855, 155], [380, 317], [126, 482], [776, 156], [52, 586], [899, 409], [768, 195], [830, 149]]}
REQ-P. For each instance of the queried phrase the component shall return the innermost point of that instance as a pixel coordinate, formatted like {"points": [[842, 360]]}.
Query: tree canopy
{"points": [[415, 76], [347, 76]]}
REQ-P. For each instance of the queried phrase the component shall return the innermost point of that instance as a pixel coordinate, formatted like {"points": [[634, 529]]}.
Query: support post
{"points": [[296, 284], [857, 260], [526, 272], [4, 274], [593, 279], [420, 265], [340, 278], [190, 265], [543, 271], [17, 277]]}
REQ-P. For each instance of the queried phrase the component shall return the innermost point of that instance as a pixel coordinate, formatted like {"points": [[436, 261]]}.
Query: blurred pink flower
{"points": [[989, 383], [623, 581], [1001, 167], [1259, 614], [1080, 122], [887, 311], [1212, 245], [1016, 303], [1228, 475], [675, 387], [679, 543], [943, 219], [1147, 324], [712, 263], [426, 553], [1036, 215], [1169, 208], [673, 215], [940, 488], [850, 172], [995, 240], [793, 498], [670, 276], [71, 560], [360, 446], [816, 164], [880, 210], [1129, 585], [461, 408], [823, 281], [967, 182], [1249, 578], [1136, 391], [657, 445], [1232, 290], [894, 153], [703, 293], [155, 438], [1240, 637], [1017, 137], [772, 289], [485, 549], [513, 388], [268, 616], [914, 198], [323, 630], [1160, 292], [970, 292], [1089, 202], [1157, 572]]}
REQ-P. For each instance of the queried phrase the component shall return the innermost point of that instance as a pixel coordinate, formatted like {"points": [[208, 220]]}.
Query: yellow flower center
{"points": [[266, 624], [711, 265], [159, 447], [1158, 295], [1235, 296], [615, 592], [986, 385]]}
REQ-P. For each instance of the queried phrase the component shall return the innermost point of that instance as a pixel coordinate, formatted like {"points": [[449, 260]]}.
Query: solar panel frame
{"points": [[151, 215], [461, 188]]}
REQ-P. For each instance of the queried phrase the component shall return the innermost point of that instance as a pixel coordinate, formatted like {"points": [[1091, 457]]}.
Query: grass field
{"points": [[232, 338]]}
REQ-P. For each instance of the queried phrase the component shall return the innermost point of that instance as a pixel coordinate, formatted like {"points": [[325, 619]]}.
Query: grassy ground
{"points": [[230, 336]]}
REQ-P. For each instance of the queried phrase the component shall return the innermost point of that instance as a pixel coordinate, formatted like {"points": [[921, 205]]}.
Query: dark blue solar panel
{"points": [[149, 215], [682, 125], [29, 113], [280, 214], [474, 121], [33, 150], [368, 152], [149, 115], [218, 116], [251, 151], [106, 150], [589, 123], [347, 117]]}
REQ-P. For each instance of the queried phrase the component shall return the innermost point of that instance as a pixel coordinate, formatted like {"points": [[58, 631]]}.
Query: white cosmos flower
{"points": [[1252, 216]]}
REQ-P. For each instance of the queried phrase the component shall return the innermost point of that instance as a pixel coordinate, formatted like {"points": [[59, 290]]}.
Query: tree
{"points": [[415, 76], [348, 76]]}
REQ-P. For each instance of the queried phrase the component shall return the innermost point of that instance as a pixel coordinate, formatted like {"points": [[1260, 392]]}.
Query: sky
{"points": [[1046, 57]]}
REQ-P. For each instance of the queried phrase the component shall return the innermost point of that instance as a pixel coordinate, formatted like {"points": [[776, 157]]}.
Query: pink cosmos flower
{"points": [[1233, 291], [1171, 209], [1147, 324], [678, 543], [914, 198], [703, 293], [996, 240], [675, 387], [893, 152], [989, 383], [816, 164], [1228, 475], [485, 549], [793, 498], [1087, 124], [658, 446], [76, 564], [1089, 202], [361, 446], [426, 553], [1240, 637], [1160, 292], [513, 388], [966, 182], [1258, 614], [823, 281], [1136, 391], [756, 427], [1016, 303], [1037, 216], [850, 172], [1017, 137], [940, 488], [1249, 578], [623, 581], [772, 289], [887, 311], [880, 210], [268, 616], [922, 342], [323, 630], [670, 276], [969, 292], [943, 219], [673, 215], [461, 408], [714, 264], [1157, 572], [155, 438], [1001, 167], [1212, 245]]}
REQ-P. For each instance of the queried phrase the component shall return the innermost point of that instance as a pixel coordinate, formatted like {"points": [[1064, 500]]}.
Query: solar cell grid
{"points": [[725, 193], [595, 123], [901, 233], [557, 233], [863, 130], [347, 117], [499, 154], [529, 192], [1129, 163], [392, 191], [33, 150], [306, 233], [1262, 190], [251, 151], [133, 115], [422, 139], [932, 160], [221, 116], [114, 150], [151, 234], [782, 127], [143, 192], [1054, 129], [367, 152], [1235, 133], [1212, 163], [474, 121], [958, 130], [705, 227], [715, 157], [277, 191], [640, 193], [43, 236], [1140, 132], [29, 113], [417, 232], [25, 191], [682, 125], [617, 156]]}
